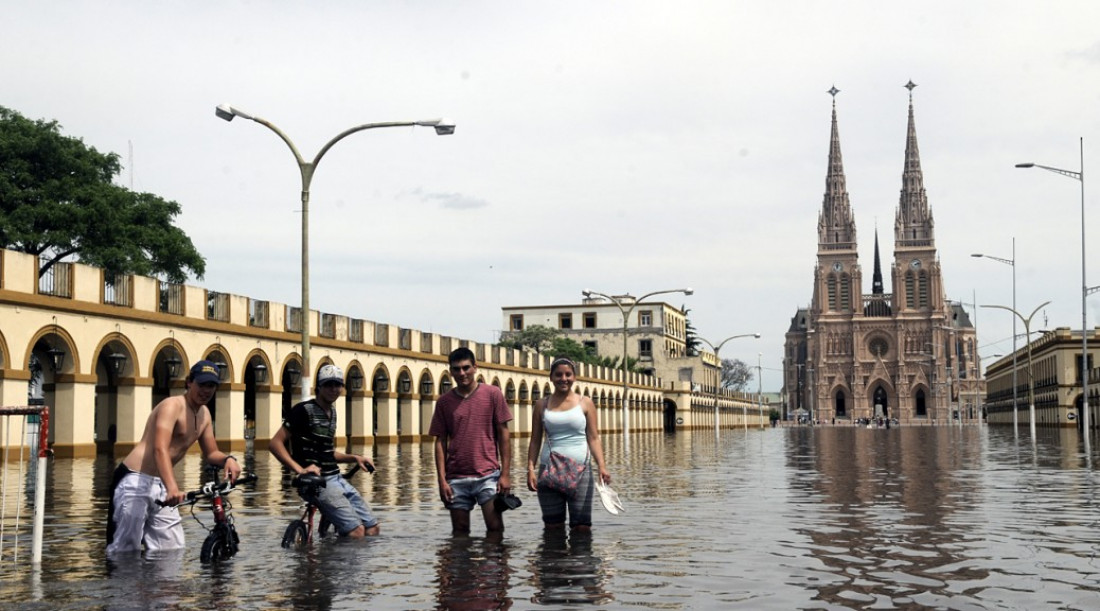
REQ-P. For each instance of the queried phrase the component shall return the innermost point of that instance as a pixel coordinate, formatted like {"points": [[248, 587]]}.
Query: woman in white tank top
{"points": [[571, 427]]}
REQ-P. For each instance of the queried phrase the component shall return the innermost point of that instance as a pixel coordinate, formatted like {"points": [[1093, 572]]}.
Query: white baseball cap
{"points": [[330, 373]]}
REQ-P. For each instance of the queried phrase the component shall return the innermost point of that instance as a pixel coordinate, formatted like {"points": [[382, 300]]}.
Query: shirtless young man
{"points": [[145, 476]]}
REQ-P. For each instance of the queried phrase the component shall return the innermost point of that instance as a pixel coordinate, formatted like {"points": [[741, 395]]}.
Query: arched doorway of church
{"points": [[920, 404], [840, 404], [879, 397]]}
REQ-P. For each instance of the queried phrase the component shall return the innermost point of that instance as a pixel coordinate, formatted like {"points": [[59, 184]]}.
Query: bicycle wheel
{"points": [[215, 547], [296, 535]]}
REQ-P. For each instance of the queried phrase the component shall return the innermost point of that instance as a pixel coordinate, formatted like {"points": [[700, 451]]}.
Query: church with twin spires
{"points": [[909, 354]]}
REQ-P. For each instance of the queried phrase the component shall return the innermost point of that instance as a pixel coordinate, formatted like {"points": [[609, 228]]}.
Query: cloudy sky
{"points": [[618, 146]]}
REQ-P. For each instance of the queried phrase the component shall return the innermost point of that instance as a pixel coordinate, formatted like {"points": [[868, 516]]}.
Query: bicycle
{"points": [[222, 542], [299, 532]]}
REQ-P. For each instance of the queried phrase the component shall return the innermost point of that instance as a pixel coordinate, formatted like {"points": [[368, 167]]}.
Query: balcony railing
{"points": [[170, 297], [381, 335], [293, 319], [119, 291], [57, 280], [404, 339], [328, 325], [426, 342], [257, 313], [355, 330], [217, 306]]}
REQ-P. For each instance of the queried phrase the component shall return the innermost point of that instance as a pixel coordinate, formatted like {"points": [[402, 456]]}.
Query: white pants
{"points": [[138, 518]]}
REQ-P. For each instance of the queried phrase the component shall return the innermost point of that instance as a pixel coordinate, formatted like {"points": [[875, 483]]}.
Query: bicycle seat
{"points": [[309, 482]]}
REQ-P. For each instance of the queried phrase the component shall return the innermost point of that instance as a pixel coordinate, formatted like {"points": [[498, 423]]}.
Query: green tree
{"points": [[536, 337], [563, 346], [736, 375], [691, 338], [57, 200]]}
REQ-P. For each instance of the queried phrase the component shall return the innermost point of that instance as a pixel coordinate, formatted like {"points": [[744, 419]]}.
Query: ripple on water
{"points": [[826, 518]]}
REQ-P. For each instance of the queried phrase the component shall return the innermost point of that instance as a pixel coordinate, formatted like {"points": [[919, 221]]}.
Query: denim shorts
{"points": [[343, 506], [469, 491]]}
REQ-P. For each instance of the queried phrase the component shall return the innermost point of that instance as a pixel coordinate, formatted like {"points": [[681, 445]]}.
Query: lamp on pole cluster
{"points": [[1030, 376], [626, 311], [1012, 262], [442, 127], [1079, 177], [718, 382]]}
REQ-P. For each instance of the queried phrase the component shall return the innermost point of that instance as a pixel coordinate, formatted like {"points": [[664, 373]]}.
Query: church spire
{"points": [[876, 279], [835, 225], [913, 225]]}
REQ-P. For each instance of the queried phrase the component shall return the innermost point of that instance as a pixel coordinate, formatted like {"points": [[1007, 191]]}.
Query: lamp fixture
{"points": [[355, 379], [381, 382], [293, 374], [57, 358], [259, 372], [173, 363], [117, 362], [404, 384]]}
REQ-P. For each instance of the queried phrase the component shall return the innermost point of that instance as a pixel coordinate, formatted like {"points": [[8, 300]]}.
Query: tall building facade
{"points": [[910, 354]]}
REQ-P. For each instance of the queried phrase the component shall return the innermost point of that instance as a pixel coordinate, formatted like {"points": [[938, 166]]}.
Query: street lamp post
{"points": [[813, 394], [718, 382], [798, 392], [1015, 403], [1030, 377], [442, 127], [760, 389], [1079, 177], [626, 311]]}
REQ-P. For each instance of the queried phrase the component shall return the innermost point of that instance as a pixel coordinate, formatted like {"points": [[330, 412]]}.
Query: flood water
{"points": [[790, 518]]}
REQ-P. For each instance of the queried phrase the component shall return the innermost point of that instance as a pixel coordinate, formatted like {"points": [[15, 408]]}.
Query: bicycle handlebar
{"points": [[212, 489]]}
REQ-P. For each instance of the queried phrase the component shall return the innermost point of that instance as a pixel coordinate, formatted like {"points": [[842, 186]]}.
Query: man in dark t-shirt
{"points": [[310, 427], [473, 454]]}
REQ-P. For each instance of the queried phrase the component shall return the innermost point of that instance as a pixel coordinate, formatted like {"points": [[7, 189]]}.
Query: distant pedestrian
{"points": [[473, 449]]}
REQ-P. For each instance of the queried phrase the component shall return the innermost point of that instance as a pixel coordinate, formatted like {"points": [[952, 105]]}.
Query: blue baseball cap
{"points": [[205, 372]]}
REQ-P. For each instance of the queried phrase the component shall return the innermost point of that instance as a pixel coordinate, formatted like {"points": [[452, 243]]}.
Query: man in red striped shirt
{"points": [[473, 455]]}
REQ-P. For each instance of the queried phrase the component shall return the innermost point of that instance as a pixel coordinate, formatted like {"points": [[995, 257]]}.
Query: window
{"points": [[328, 325], [922, 283], [645, 318], [845, 304], [257, 313], [217, 306], [516, 322], [565, 321], [589, 320], [590, 347], [831, 282], [910, 292], [293, 319], [879, 347], [645, 349]]}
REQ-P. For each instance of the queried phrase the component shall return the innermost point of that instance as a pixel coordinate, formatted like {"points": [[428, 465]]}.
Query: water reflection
{"points": [[566, 571], [473, 573], [949, 517]]}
